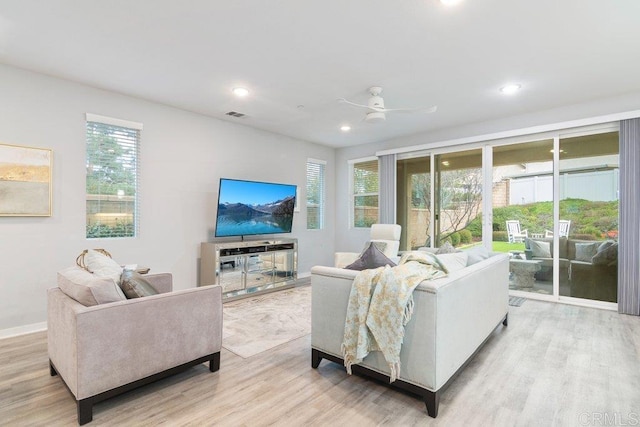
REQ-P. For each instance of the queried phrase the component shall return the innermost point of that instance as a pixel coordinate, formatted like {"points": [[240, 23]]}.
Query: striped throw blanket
{"points": [[380, 305]]}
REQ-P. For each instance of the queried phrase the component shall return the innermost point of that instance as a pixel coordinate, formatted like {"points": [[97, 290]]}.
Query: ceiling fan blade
{"points": [[360, 105], [410, 110]]}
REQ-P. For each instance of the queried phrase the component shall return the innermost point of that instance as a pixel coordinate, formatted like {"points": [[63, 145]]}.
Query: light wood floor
{"points": [[553, 365]]}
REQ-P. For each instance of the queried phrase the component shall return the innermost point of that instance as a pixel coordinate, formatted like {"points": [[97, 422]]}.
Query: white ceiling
{"points": [[297, 57]]}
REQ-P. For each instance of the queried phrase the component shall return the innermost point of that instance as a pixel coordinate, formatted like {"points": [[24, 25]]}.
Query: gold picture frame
{"points": [[25, 180]]}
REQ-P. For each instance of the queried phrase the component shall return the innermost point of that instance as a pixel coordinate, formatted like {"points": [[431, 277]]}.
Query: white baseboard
{"points": [[303, 275], [23, 330]]}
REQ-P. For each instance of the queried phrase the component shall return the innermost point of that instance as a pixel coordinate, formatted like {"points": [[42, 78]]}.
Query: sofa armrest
{"points": [[161, 282], [117, 343]]}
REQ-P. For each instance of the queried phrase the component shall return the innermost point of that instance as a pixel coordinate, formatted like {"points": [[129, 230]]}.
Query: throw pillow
{"points": [[446, 248], [586, 251], [87, 288], [606, 256], [136, 286], [372, 257], [477, 254], [540, 249], [102, 266], [453, 262], [382, 246]]}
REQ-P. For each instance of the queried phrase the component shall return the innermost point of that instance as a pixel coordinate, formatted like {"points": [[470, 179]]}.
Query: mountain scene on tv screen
{"points": [[238, 219]]}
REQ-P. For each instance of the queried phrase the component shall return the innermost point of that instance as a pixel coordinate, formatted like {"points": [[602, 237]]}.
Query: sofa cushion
{"points": [[88, 289], [453, 262], [586, 251], [446, 248], [477, 254], [136, 286], [540, 249], [372, 257], [102, 265], [380, 244]]}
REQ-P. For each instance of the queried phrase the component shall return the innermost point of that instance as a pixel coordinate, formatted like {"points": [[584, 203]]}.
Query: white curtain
{"points": [[629, 227], [387, 182]]}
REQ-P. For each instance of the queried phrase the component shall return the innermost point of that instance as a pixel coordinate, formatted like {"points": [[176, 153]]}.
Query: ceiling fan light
{"points": [[375, 117]]}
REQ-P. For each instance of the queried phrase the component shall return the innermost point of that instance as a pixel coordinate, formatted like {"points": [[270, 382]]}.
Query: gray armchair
{"points": [[106, 349]]}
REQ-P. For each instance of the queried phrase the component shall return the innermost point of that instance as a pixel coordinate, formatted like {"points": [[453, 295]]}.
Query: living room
{"points": [[186, 148]]}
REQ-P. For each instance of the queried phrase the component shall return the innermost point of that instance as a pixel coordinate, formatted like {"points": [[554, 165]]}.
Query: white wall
{"points": [[349, 239], [183, 155]]}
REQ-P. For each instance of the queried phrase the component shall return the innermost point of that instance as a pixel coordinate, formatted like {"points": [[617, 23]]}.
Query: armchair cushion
{"points": [[586, 251], [102, 265], [88, 289], [136, 286], [372, 257], [540, 249]]}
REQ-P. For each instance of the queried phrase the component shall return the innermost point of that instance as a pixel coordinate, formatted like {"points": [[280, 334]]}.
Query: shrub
{"points": [[465, 236], [583, 237], [500, 236], [455, 238]]}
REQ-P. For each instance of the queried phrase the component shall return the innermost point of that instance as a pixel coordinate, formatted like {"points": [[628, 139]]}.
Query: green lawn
{"points": [[506, 246]]}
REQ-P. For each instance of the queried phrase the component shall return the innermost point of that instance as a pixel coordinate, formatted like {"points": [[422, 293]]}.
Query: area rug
{"points": [[256, 324], [516, 301]]}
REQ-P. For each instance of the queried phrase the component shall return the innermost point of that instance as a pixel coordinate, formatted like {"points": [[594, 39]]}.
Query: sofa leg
{"points": [[52, 369], [85, 411], [214, 363], [432, 400], [505, 322], [315, 358]]}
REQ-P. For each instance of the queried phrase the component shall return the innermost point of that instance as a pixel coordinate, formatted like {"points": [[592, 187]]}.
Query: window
{"points": [[112, 177], [315, 194], [365, 192]]}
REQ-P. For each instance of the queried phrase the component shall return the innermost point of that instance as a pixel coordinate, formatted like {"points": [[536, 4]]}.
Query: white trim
{"points": [[318, 161], [23, 330], [517, 132], [113, 121], [363, 159]]}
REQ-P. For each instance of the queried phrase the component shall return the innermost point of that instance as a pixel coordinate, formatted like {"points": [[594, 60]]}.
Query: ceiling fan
{"points": [[376, 105]]}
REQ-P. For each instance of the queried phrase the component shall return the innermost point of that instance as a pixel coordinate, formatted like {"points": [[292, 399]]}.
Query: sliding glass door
{"points": [[413, 201], [588, 181], [458, 195], [553, 207], [523, 213]]}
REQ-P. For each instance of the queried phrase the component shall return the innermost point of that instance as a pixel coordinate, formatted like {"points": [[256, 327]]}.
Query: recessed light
{"points": [[345, 128], [450, 2], [240, 91], [510, 89]]}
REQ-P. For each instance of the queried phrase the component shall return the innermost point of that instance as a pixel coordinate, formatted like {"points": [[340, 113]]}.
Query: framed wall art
{"points": [[25, 181]]}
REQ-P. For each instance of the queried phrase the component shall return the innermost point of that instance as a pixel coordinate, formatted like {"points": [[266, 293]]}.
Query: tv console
{"points": [[245, 267]]}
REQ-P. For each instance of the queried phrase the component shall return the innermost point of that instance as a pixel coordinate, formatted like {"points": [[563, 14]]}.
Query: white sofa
{"points": [[453, 316]]}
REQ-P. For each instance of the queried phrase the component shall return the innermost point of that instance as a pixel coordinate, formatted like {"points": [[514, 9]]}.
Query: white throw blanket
{"points": [[380, 305]]}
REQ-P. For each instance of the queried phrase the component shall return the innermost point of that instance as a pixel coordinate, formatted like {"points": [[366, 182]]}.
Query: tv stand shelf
{"points": [[247, 267]]}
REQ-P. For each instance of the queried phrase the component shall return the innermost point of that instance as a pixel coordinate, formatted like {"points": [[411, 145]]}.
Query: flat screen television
{"points": [[247, 208]]}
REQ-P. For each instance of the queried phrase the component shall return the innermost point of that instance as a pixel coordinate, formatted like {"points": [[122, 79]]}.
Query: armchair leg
{"points": [[85, 411], [52, 369], [214, 363], [505, 322], [315, 358]]}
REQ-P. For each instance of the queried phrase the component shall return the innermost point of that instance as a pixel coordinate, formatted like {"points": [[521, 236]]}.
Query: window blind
{"points": [[112, 164], [315, 194]]}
